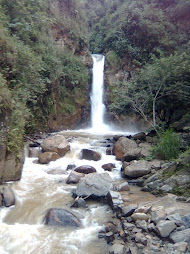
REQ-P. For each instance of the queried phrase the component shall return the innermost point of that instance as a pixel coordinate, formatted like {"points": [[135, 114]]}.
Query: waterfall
{"points": [[97, 94]]}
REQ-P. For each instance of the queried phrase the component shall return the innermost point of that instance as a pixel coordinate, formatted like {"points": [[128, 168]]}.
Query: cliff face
{"points": [[44, 73]]}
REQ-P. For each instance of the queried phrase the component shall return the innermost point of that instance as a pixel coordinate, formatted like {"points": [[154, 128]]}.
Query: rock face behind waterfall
{"points": [[62, 218], [94, 185], [57, 143]]}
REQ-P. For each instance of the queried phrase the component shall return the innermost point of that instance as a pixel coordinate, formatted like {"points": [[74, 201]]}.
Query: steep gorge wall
{"points": [[45, 70]]}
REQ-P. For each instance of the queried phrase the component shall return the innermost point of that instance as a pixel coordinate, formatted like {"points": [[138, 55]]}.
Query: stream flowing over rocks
{"points": [[86, 201]]}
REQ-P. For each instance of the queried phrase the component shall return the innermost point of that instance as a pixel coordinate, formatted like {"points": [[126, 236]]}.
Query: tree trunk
{"points": [[154, 112]]}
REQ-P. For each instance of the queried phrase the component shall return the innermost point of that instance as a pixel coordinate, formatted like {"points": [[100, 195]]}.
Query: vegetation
{"points": [[40, 44], [150, 41], [168, 145]]}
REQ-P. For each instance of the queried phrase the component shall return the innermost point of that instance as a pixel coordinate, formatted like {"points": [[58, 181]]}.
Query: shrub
{"points": [[167, 146]]}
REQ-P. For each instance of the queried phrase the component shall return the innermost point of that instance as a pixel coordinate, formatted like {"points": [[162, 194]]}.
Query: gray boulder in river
{"points": [[88, 154], [61, 217], [7, 196], [94, 185], [122, 146], [57, 144]]}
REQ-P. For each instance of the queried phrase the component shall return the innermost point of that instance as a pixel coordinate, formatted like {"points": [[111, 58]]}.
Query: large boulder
{"points": [[74, 177], [46, 157], [132, 155], [186, 220], [137, 169], [140, 136], [61, 217], [85, 169], [145, 149], [122, 146], [94, 185], [181, 236], [158, 213], [57, 143], [7, 196], [165, 227], [12, 167], [88, 154]]}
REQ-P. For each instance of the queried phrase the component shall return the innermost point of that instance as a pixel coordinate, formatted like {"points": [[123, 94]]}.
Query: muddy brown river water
{"points": [[21, 227]]}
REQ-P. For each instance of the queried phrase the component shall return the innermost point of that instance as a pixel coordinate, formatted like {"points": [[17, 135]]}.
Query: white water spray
{"points": [[97, 105]]}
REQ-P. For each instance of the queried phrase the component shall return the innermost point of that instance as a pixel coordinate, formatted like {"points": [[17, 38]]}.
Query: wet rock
{"points": [[141, 224], [70, 167], [151, 227], [88, 154], [181, 179], [155, 164], [180, 236], [94, 185], [55, 171], [131, 155], [143, 209], [176, 218], [62, 218], [85, 169], [123, 187], [139, 216], [57, 144], [140, 136], [117, 249], [128, 226], [122, 146], [181, 247], [7, 196], [186, 220], [108, 166], [164, 228], [140, 238], [109, 151], [166, 188], [46, 157], [13, 166], [169, 167], [34, 152], [137, 169], [111, 227], [79, 202], [129, 210], [145, 149], [158, 214], [74, 177], [109, 237], [181, 199], [114, 199]]}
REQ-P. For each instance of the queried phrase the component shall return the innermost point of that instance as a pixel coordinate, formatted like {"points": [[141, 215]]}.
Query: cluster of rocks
{"points": [[134, 229], [146, 229], [52, 148], [156, 176]]}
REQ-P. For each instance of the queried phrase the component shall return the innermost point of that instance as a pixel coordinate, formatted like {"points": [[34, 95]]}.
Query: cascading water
{"points": [[97, 95], [44, 186]]}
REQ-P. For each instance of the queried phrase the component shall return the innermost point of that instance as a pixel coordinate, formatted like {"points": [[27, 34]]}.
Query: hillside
{"points": [[44, 80], [147, 48]]}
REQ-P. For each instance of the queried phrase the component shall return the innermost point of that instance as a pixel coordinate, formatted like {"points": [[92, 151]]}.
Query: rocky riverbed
{"points": [[136, 222]]}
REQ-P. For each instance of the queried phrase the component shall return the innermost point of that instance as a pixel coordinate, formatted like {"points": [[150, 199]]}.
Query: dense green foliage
{"points": [[36, 72], [168, 145], [150, 41], [161, 86]]}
